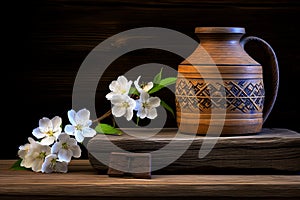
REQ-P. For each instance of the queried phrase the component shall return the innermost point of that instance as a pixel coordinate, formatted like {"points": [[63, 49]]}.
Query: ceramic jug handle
{"points": [[271, 93]]}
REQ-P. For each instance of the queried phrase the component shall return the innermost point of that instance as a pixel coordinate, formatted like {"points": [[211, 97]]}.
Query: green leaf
{"points": [[17, 166], [157, 77], [107, 129], [167, 107], [168, 81], [163, 83], [133, 90]]}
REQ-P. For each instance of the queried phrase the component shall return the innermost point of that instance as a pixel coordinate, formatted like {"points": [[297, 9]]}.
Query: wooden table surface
{"points": [[83, 182]]}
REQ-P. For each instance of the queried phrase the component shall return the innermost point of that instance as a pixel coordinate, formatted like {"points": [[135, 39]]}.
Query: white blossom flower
{"points": [[143, 87], [52, 164], [146, 106], [24, 149], [65, 148], [123, 105], [80, 124], [35, 156], [48, 130], [120, 86]]}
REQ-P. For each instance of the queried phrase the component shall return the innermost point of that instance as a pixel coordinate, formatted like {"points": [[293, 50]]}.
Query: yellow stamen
{"points": [[125, 104], [50, 133], [78, 127], [65, 146], [42, 155]]}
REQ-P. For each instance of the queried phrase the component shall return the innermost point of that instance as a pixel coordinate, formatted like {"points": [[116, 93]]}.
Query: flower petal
{"points": [[128, 86], [63, 137], [22, 153], [46, 149], [23, 150], [88, 123], [37, 133], [113, 86], [72, 142], [48, 140], [118, 111], [37, 165], [56, 147], [61, 167], [27, 162], [78, 136], [154, 102], [118, 99], [144, 96], [137, 105], [148, 87], [65, 155], [82, 116], [69, 129], [56, 134], [46, 166], [56, 123], [110, 95], [88, 132], [152, 113], [45, 125], [76, 151], [141, 113], [71, 116], [129, 114], [131, 102], [136, 84], [31, 140], [122, 80]]}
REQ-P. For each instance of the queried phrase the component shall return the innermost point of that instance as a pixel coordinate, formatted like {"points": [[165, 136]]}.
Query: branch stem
{"points": [[107, 114]]}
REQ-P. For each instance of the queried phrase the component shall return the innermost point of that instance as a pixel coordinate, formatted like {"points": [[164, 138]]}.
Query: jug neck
{"points": [[219, 35], [220, 30], [219, 46]]}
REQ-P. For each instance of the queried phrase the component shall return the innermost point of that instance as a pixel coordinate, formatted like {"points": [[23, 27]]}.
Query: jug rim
{"points": [[240, 30]]}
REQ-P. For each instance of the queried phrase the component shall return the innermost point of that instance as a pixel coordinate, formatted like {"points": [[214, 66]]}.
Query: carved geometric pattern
{"points": [[244, 95]]}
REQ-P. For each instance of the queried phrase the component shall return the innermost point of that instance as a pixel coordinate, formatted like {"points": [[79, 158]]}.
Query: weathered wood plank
{"points": [[25, 184], [272, 149]]}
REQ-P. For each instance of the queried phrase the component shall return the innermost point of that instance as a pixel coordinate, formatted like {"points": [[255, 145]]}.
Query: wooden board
{"points": [[82, 182], [271, 151]]}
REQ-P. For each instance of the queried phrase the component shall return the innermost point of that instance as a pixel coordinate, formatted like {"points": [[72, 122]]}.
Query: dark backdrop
{"points": [[45, 42]]}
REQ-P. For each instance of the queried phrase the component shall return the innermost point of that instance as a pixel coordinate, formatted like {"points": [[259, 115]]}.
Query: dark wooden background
{"points": [[45, 42]]}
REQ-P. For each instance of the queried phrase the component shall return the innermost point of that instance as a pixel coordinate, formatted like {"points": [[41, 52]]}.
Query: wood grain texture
{"points": [[46, 41], [265, 152], [130, 163], [82, 182]]}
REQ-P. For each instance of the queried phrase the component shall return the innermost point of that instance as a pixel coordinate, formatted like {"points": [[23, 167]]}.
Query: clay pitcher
{"points": [[221, 88]]}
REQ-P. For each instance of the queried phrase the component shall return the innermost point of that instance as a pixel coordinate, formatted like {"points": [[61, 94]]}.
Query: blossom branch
{"points": [[107, 114]]}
